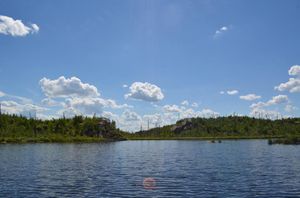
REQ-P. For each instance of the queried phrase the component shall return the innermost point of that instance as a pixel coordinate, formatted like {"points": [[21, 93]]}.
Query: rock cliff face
{"points": [[182, 125]]}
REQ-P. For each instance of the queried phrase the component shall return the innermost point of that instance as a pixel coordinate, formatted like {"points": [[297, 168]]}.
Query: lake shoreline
{"points": [[205, 138], [80, 139], [84, 139]]}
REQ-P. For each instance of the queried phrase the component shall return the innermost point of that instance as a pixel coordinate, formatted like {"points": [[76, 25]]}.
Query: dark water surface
{"points": [[249, 168]]}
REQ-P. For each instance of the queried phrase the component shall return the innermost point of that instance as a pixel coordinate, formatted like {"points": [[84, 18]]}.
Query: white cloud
{"points": [[221, 31], [229, 92], [263, 113], [2, 94], [50, 102], [280, 99], [128, 115], [258, 109], [294, 70], [69, 112], [258, 105], [124, 86], [250, 97], [13, 107], [208, 113], [91, 105], [79, 98], [205, 113], [155, 119], [145, 91], [289, 108], [35, 28], [10, 26], [185, 103], [109, 115], [67, 87], [19, 99], [171, 108], [232, 92], [293, 84]]}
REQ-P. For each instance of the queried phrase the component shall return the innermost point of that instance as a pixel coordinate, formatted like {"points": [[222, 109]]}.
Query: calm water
{"points": [[180, 169]]}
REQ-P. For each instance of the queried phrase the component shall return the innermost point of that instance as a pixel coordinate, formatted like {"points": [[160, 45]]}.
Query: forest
{"points": [[224, 127], [16, 128]]}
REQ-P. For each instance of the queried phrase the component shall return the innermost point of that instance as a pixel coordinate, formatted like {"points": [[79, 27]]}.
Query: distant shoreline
{"points": [[205, 138], [84, 139], [79, 139]]}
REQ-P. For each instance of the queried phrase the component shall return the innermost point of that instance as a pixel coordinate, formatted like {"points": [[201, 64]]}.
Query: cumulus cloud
{"points": [[145, 91], [91, 105], [208, 113], [221, 31], [109, 115], [153, 119], [67, 87], [13, 107], [204, 113], [50, 102], [171, 108], [10, 26], [293, 84], [280, 99], [69, 112], [250, 97], [175, 112], [128, 115], [75, 97], [294, 70], [124, 86], [259, 109]]}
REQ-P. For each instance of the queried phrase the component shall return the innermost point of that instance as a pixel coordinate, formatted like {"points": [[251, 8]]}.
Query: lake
{"points": [[245, 168]]}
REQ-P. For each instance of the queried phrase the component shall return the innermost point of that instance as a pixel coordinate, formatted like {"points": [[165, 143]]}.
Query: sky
{"points": [[140, 61]]}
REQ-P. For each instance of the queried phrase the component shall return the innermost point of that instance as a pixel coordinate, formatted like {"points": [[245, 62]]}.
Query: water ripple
{"points": [[179, 169]]}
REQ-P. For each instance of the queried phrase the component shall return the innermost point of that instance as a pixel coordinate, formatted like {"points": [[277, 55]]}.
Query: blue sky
{"points": [[166, 52]]}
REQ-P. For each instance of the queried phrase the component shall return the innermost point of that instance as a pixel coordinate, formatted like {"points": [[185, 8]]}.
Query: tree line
{"points": [[20, 126], [242, 126]]}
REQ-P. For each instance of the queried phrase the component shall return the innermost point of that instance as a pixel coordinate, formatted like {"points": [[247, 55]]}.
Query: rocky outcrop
{"points": [[182, 125]]}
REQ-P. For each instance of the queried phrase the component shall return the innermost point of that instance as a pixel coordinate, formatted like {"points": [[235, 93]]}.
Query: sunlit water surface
{"points": [[174, 168]]}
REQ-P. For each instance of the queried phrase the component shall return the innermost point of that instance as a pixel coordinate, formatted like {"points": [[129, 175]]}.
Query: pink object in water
{"points": [[149, 183]]}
